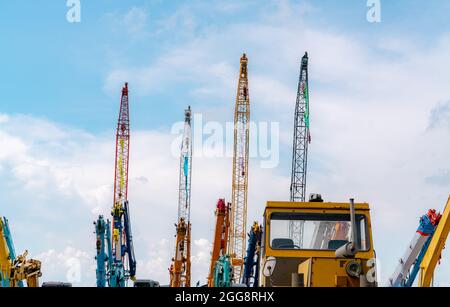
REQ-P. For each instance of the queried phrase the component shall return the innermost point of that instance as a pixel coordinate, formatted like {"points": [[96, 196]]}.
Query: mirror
{"points": [[269, 266]]}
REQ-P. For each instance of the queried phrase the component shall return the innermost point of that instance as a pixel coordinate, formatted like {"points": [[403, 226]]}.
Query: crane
{"points": [[25, 269], [121, 261], [424, 251], [15, 269], [252, 260], [220, 241], [180, 270], [240, 173], [302, 138], [104, 250], [408, 266], [434, 250], [7, 252]]}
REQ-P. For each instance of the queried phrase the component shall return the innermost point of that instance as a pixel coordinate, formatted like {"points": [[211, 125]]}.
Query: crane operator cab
{"points": [[317, 244]]}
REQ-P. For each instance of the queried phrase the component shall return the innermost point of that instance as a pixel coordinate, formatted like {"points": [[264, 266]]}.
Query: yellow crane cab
{"points": [[334, 246]]}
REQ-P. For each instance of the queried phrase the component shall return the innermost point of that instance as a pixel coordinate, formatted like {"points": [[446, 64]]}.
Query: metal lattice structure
{"points": [[118, 273], [300, 149], [120, 261], [180, 271], [122, 150], [184, 196], [240, 174]]}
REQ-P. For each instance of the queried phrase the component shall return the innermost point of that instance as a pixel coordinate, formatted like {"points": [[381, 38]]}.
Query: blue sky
{"points": [[379, 95], [64, 65]]}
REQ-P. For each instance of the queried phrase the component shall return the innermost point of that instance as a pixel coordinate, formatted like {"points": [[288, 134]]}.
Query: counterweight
{"points": [[240, 173]]}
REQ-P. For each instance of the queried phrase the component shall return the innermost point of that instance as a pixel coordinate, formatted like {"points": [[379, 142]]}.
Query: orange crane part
{"points": [[220, 236], [180, 263]]}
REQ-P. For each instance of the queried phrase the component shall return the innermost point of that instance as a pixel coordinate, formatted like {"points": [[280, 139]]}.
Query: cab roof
{"points": [[315, 205]]}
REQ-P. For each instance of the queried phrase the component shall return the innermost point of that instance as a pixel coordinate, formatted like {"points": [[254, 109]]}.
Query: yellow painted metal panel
{"points": [[238, 225], [5, 263], [327, 272], [315, 205], [326, 208], [434, 251]]}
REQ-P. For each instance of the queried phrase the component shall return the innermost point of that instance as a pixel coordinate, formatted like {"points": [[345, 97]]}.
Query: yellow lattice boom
{"points": [[240, 174]]}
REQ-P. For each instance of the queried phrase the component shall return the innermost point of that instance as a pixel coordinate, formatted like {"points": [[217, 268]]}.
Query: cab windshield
{"points": [[315, 231]]}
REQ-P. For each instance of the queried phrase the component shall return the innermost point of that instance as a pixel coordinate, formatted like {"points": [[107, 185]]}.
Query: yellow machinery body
{"points": [[24, 269], [434, 251], [299, 266], [19, 269], [5, 260]]}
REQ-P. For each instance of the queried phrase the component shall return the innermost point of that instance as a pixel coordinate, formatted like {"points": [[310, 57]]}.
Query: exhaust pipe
{"points": [[349, 250]]}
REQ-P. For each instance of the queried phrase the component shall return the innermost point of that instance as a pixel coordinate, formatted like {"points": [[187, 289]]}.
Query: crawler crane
{"points": [[345, 262], [120, 263], [346, 255], [180, 270], [302, 138], [238, 225]]}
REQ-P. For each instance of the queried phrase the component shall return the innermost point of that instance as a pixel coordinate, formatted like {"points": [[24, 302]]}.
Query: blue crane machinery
{"points": [[408, 266], [180, 269], [424, 250], [301, 140], [104, 250], [252, 260], [15, 268], [120, 264], [7, 253], [223, 272], [238, 232]]}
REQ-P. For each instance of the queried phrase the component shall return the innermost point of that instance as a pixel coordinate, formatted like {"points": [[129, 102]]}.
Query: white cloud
{"points": [[68, 180], [440, 115], [12, 146], [371, 113], [68, 265], [370, 124], [135, 20], [3, 118]]}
